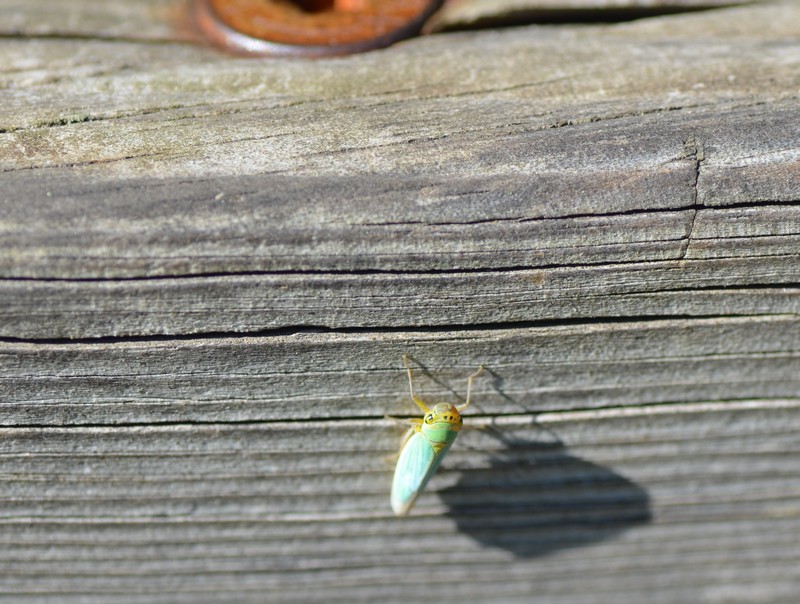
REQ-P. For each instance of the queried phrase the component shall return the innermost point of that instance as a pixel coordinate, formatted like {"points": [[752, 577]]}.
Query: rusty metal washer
{"points": [[309, 28]]}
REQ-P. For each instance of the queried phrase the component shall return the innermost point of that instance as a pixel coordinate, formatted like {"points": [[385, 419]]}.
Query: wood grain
{"points": [[210, 268], [307, 375], [266, 512]]}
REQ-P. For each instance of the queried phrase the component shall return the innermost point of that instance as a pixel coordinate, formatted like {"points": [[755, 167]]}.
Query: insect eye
{"points": [[429, 419]]}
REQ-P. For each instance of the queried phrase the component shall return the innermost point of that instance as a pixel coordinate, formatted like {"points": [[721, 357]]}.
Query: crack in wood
{"points": [[452, 328], [695, 152]]}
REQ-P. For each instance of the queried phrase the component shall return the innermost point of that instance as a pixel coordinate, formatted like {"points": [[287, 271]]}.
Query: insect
{"points": [[425, 445]]}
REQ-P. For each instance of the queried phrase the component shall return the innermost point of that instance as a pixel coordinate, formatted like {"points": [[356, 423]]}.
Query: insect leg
{"points": [[421, 404], [469, 387]]}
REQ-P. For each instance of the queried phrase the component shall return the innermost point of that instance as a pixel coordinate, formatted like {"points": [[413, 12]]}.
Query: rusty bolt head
{"points": [[309, 28]]}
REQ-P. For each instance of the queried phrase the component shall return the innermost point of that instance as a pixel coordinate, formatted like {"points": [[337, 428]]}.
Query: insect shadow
{"points": [[536, 498]]}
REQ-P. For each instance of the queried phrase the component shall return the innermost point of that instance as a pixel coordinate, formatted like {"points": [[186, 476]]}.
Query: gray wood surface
{"points": [[210, 268]]}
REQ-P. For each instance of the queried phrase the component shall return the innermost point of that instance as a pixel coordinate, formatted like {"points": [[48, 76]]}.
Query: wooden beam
{"points": [[211, 267]]}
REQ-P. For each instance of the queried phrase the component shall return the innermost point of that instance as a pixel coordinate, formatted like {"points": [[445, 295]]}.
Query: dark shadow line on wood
{"points": [[97, 37], [416, 273], [379, 419], [583, 16], [410, 329], [696, 208]]}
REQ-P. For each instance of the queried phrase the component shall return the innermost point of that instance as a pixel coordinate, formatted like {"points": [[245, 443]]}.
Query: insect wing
{"points": [[417, 463]]}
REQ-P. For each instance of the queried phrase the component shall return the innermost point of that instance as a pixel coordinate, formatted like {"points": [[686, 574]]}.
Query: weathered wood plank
{"points": [[379, 222], [141, 19], [529, 196], [252, 303], [210, 269], [743, 261], [261, 116], [520, 508], [403, 238], [308, 375]]}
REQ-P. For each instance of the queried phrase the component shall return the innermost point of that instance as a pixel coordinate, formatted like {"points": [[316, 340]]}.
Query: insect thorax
{"points": [[442, 424]]}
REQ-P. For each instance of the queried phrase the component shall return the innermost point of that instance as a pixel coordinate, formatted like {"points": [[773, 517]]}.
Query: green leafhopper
{"points": [[425, 445]]}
